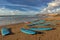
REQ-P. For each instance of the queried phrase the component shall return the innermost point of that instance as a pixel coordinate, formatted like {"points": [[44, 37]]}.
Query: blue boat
{"points": [[45, 24], [41, 21], [4, 31], [40, 29], [36, 23], [33, 24], [27, 31]]}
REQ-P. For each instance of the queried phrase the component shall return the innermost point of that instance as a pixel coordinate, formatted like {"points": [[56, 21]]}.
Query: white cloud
{"points": [[5, 11], [53, 4], [52, 7]]}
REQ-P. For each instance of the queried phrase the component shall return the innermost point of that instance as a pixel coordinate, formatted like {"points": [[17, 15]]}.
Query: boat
{"points": [[4, 31], [40, 29], [42, 21], [27, 31], [39, 21], [45, 24], [36, 23]]}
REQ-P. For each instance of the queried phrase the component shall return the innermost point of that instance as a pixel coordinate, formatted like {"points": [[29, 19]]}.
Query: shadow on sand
{"points": [[38, 32], [11, 33]]}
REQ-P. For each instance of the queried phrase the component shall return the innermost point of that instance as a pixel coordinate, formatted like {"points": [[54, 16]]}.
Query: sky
{"points": [[29, 7]]}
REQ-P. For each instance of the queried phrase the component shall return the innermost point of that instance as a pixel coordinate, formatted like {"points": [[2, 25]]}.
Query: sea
{"points": [[13, 19]]}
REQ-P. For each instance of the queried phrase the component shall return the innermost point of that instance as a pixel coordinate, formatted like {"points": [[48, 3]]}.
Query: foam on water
{"points": [[16, 19]]}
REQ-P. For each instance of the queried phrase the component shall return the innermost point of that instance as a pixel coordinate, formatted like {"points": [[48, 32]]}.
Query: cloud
{"points": [[53, 7], [5, 11]]}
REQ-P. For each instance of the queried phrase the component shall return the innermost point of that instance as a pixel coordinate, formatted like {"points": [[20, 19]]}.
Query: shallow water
{"points": [[17, 19]]}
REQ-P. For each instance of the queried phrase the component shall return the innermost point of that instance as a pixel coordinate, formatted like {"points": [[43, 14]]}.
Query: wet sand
{"points": [[45, 35]]}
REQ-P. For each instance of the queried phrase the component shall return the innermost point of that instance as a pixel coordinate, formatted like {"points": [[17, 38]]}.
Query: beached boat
{"points": [[40, 29], [45, 24], [40, 21], [4, 31], [27, 31], [36, 23]]}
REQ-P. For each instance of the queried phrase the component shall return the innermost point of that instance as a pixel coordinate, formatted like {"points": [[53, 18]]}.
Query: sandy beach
{"points": [[45, 35]]}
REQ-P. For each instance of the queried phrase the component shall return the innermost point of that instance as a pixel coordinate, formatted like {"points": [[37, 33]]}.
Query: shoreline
{"points": [[47, 35]]}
